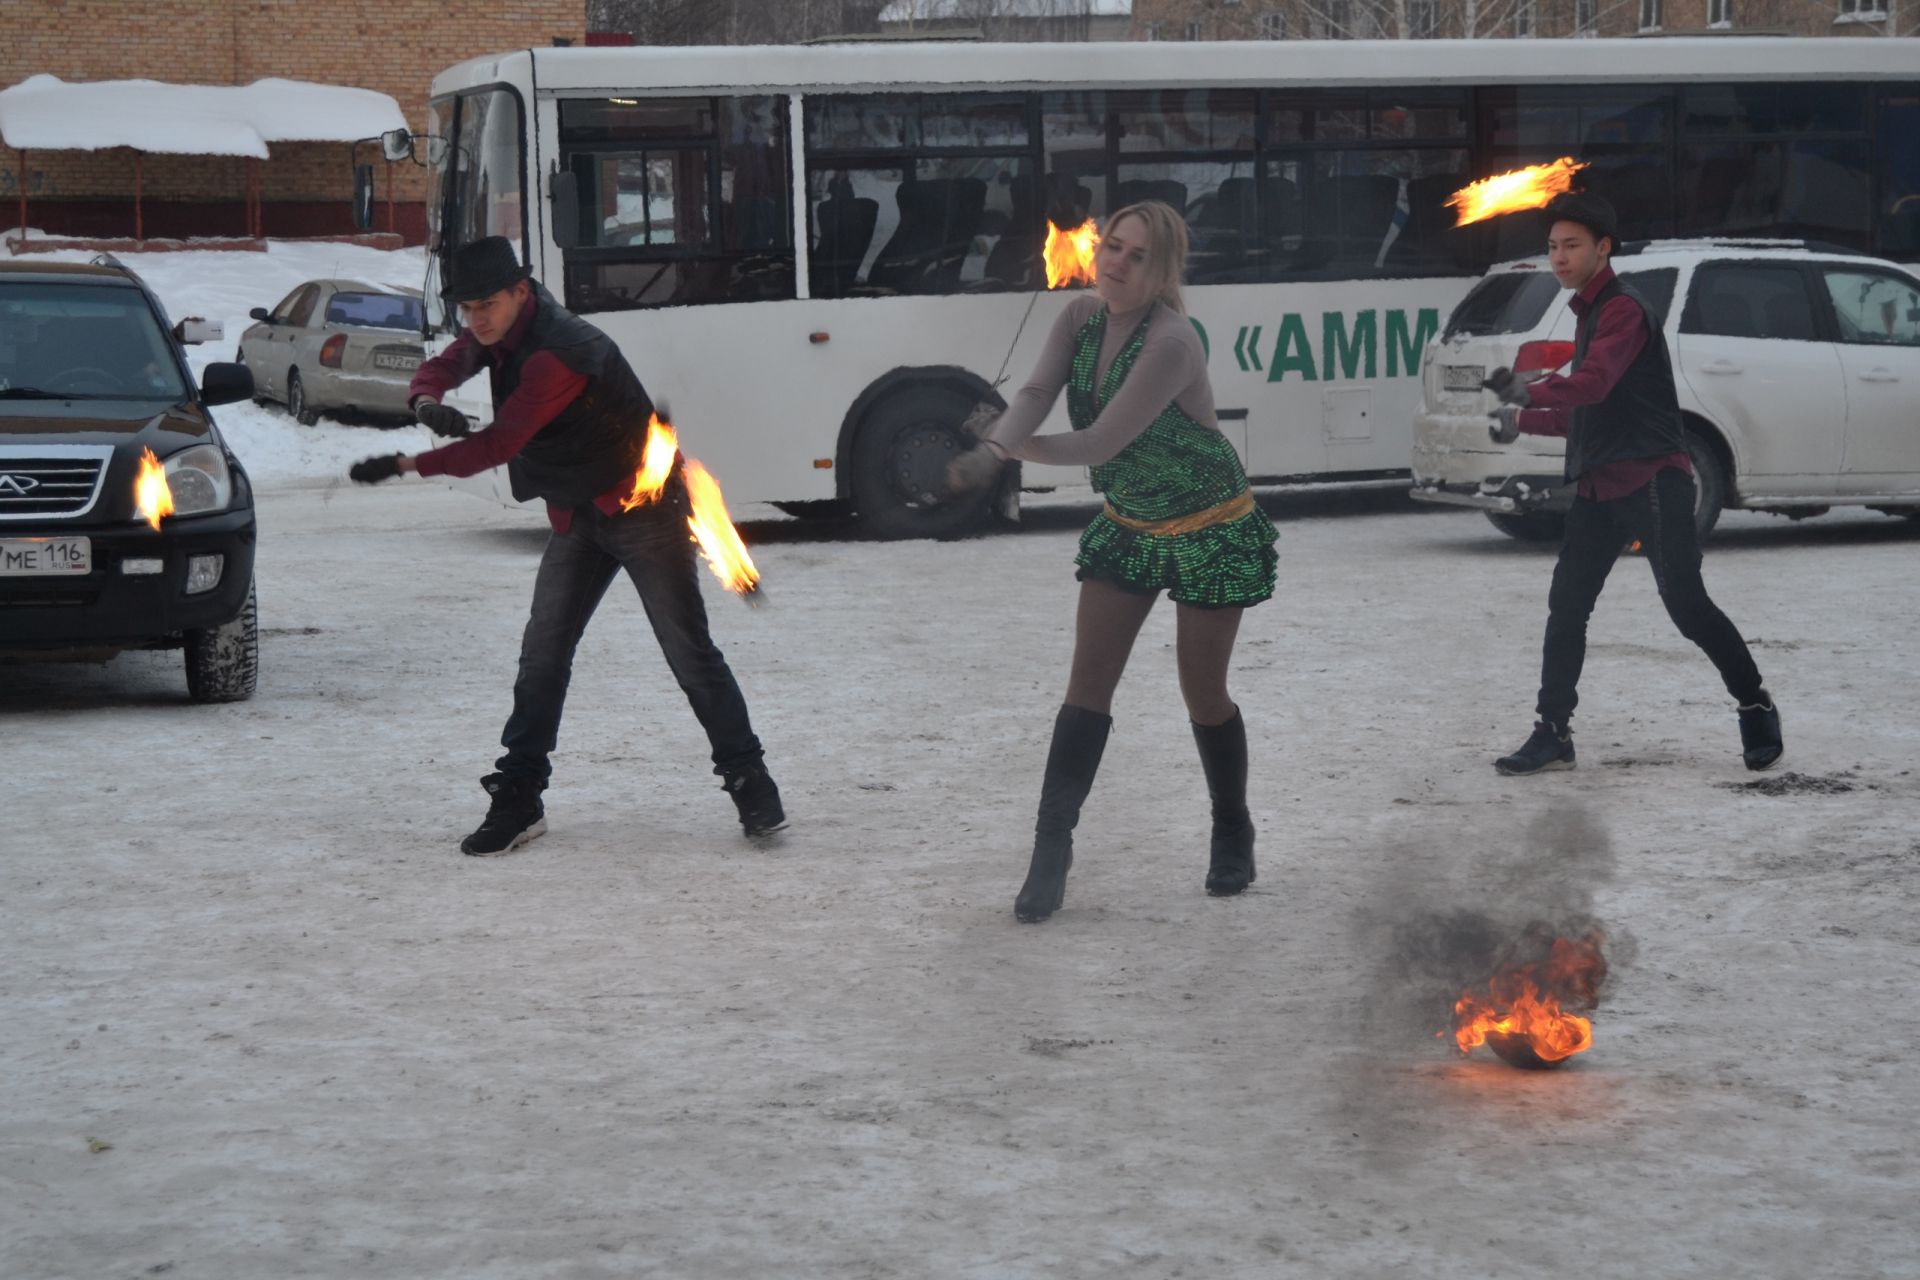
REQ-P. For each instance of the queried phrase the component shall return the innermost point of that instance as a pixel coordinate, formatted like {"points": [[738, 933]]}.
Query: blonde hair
{"points": [[1166, 247]]}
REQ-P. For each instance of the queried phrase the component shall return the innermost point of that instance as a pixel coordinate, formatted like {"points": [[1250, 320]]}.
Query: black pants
{"points": [[1660, 515], [652, 545]]}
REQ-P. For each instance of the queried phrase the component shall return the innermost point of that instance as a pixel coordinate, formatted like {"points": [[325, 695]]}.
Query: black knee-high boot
{"points": [[1079, 738], [1223, 756]]}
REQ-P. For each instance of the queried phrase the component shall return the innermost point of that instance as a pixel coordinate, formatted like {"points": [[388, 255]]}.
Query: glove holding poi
{"points": [[374, 470], [1509, 388], [1505, 424], [973, 470], [441, 419]]}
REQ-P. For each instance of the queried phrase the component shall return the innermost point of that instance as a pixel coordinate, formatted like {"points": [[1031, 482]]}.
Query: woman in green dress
{"points": [[1179, 518]]}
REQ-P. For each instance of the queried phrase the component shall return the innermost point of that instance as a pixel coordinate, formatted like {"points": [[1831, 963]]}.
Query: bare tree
{"points": [[996, 19], [685, 22]]}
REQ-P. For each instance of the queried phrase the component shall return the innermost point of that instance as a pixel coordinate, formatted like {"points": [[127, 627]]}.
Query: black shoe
{"points": [[1550, 747], [1760, 742], [1223, 758], [1230, 866], [1046, 886], [757, 799], [515, 817]]}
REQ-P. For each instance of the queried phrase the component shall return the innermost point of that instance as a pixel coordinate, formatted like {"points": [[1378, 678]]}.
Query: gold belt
{"points": [[1231, 509]]}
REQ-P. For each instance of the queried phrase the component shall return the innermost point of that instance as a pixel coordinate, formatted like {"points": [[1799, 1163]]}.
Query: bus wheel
{"points": [[1530, 526], [900, 461], [1709, 483]]}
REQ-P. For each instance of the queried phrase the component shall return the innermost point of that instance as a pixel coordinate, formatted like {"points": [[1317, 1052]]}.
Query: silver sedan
{"points": [[336, 346]]}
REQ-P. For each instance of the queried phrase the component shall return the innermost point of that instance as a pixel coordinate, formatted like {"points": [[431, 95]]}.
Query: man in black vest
{"points": [[1627, 458], [570, 423]]}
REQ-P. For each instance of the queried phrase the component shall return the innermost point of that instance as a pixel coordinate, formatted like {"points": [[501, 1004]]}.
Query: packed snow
{"points": [[262, 1019], [46, 113]]}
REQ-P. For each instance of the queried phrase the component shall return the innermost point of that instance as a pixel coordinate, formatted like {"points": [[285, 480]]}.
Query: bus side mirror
{"points": [[362, 197], [397, 144], [563, 197]]}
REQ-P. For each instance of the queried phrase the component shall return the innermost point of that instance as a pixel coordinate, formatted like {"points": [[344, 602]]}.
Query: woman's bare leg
{"points": [[1204, 643], [1108, 622]]}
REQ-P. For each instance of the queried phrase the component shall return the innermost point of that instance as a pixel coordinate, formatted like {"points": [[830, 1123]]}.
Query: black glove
{"points": [[442, 419], [1509, 388], [374, 470], [1505, 427]]}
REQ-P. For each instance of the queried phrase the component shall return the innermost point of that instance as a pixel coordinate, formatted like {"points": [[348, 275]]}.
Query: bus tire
{"points": [[900, 457], [1709, 482], [1530, 526]]}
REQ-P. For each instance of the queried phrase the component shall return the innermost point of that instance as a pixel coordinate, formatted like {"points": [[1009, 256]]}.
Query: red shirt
{"points": [[546, 387], [1618, 334]]}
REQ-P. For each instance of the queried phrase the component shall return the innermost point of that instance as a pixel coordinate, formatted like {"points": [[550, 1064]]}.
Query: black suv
{"points": [[125, 521]]}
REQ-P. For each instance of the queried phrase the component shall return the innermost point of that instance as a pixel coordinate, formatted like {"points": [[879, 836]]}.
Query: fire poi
{"points": [[1069, 253], [1511, 192], [152, 495], [710, 526], [1529, 1013]]}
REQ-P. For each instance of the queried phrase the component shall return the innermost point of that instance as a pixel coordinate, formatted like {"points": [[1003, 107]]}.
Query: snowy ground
{"points": [[241, 957]]}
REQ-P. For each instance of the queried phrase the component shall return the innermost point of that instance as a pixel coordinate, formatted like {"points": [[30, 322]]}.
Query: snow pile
{"points": [[45, 113]]}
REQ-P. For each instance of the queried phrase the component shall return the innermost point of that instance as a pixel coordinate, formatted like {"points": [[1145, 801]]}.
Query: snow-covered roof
{"points": [[926, 10], [45, 113]]}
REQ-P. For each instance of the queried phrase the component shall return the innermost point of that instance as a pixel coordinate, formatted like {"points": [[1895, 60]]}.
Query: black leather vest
{"points": [[1640, 418], [594, 444]]}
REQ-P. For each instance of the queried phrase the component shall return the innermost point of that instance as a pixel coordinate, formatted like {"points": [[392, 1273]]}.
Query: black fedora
{"points": [[481, 269]]}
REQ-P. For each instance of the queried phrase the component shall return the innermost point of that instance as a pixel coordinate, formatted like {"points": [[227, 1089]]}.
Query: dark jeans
{"points": [[1661, 517], [652, 545]]}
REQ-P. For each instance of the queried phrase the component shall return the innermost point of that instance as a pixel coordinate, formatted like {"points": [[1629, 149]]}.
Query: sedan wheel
{"points": [[297, 405]]}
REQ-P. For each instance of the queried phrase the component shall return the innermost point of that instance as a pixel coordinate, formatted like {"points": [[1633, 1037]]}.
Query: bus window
{"points": [[1623, 134], [682, 201], [1898, 230], [1815, 188], [486, 166]]}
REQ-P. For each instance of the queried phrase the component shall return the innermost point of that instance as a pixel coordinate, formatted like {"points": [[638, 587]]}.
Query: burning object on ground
{"points": [[1529, 1010], [1514, 191], [710, 526], [1069, 253]]}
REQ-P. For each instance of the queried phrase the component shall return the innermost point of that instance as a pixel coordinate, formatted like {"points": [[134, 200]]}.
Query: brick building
{"points": [[1454, 19], [394, 46]]}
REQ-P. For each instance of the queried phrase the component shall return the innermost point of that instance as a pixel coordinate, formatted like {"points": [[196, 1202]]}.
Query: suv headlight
{"points": [[199, 480]]}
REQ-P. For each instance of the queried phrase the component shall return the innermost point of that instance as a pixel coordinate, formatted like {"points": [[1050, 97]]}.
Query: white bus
{"points": [[823, 258]]}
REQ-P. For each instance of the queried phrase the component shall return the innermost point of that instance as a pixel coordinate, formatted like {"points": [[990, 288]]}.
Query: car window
{"points": [[87, 341], [375, 310], [1875, 307], [1750, 300], [303, 306], [1657, 288], [284, 308], [1511, 302]]}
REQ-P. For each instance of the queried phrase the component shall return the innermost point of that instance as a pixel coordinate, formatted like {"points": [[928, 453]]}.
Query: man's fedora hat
{"points": [[481, 269]]}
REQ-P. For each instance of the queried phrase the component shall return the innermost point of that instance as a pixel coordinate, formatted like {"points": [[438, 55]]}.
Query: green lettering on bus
{"points": [[1291, 350], [1348, 349], [1403, 349]]}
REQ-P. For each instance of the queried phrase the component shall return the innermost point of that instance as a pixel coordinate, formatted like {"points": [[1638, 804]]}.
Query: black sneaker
{"points": [[757, 799], [1760, 742], [516, 817], [1550, 747]]}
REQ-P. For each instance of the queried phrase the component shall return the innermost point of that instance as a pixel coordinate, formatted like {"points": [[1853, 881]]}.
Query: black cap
{"points": [[481, 269], [1593, 212]]}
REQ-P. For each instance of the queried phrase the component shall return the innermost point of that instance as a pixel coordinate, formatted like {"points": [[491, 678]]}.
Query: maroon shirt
{"points": [[546, 387], [1618, 335]]}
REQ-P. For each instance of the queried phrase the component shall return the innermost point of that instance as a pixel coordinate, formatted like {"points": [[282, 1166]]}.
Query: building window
{"points": [[1523, 25], [1423, 19], [1335, 20], [1719, 13], [1155, 30], [1860, 11], [1650, 15], [1584, 17], [1271, 25], [1194, 32]]}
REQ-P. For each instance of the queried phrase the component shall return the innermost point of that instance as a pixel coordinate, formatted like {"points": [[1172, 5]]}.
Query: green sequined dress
{"points": [[1174, 468]]}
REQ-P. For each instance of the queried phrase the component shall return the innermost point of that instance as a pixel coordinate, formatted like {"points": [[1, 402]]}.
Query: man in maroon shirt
{"points": [[1627, 458], [570, 423]]}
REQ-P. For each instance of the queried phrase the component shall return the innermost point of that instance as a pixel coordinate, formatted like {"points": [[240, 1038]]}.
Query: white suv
{"points": [[1798, 371]]}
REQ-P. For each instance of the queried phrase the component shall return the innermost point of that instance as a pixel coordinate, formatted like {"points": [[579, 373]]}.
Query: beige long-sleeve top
{"points": [[1172, 368]]}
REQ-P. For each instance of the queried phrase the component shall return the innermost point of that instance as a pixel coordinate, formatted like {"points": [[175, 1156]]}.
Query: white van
{"points": [[1798, 371]]}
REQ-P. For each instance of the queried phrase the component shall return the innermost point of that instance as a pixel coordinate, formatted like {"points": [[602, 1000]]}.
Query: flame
{"points": [[1069, 254], [1528, 188], [709, 524], [719, 541], [656, 464], [152, 498], [1531, 1000]]}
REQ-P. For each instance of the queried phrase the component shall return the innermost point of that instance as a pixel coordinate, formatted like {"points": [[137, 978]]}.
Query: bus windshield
{"points": [[478, 187]]}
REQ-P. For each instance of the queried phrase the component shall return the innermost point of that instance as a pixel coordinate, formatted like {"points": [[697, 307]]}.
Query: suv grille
{"points": [[51, 482]]}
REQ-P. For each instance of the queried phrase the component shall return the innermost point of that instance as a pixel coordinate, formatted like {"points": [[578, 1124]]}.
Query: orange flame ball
{"points": [[1528, 1001], [1528, 188], [1069, 254], [152, 497], [656, 464], [719, 541]]}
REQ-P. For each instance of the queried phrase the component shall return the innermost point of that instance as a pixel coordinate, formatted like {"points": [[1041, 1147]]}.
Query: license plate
{"points": [[382, 360], [1462, 377], [45, 557]]}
